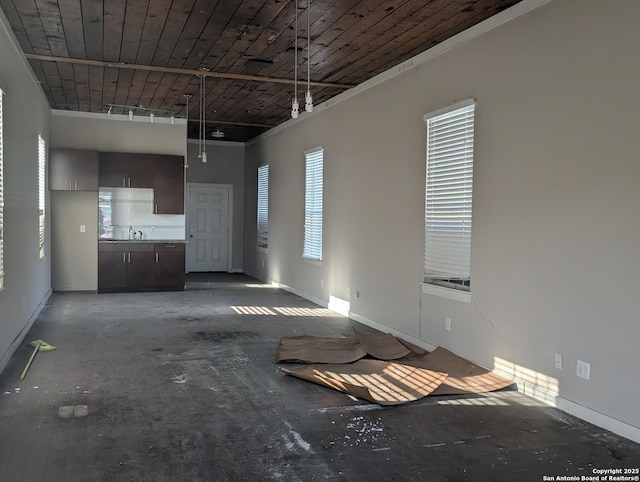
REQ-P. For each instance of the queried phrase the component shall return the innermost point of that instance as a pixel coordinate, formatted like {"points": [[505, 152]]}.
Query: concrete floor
{"points": [[182, 387]]}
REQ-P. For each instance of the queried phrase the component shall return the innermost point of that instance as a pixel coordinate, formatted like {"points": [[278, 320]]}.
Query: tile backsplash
{"points": [[127, 213]]}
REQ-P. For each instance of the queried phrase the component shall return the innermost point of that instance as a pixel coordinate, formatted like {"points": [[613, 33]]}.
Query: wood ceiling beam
{"points": [[173, 70], [230, 123]]}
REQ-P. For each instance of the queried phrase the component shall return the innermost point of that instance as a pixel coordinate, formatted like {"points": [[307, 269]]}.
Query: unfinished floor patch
{"points": [[386, 383], [315, 349], [71, 411]]}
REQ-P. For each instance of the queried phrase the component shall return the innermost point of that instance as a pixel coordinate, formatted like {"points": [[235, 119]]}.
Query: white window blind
{"points": [[263, 206], [1, 199], [448, 194], [42, 161], [312, 248]]}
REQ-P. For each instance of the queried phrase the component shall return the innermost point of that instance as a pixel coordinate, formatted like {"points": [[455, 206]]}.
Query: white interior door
{"points": [[208, 228]]}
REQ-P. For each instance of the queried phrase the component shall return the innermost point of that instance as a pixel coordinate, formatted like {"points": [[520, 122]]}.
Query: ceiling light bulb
{"points": [[308, 105], [204, 157], [295, 108], [130, 114], [152, 118]]}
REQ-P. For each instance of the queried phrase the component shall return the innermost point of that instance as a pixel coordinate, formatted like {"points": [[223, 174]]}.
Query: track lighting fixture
{"points": [[130, 114], [152, 117]]}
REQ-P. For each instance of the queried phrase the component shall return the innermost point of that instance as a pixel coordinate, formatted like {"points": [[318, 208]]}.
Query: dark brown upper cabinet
{"points": [[119, 169], [73, 170], [168, 185]]}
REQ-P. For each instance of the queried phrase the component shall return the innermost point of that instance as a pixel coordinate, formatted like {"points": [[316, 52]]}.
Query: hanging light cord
{"points": [[295, 106], [308, 48], [204, 121], [308, 99], [200, 122]]}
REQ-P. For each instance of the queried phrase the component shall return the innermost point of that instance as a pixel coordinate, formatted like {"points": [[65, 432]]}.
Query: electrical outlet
{"points": [[357, 294], [583, 369], [348, 292], [83, 228], [447, 323], [559, 361]]}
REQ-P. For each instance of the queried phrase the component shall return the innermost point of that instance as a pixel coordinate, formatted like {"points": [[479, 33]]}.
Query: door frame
{"points": [[229, 188]]}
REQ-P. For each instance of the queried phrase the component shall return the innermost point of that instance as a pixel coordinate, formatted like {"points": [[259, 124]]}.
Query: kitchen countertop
{"points": [[129, 241]]}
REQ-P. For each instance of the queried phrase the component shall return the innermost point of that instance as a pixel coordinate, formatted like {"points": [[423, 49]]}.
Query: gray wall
{"points": [[225, 165], [27, 277], [75, 265], [555, 264]]}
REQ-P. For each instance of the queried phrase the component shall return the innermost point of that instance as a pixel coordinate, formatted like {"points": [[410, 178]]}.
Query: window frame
{"points": [[42, 196], [313, 204], [449, 198], [262, 209]]}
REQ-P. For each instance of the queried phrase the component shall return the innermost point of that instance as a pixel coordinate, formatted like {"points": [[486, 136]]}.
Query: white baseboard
{"points": [[387, 329], [588, 415], [596, 418], [301, 294], [17, 341]]}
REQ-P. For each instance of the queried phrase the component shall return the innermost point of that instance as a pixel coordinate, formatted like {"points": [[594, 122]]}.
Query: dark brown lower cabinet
{"points": [[140, 267], [169, 266]]}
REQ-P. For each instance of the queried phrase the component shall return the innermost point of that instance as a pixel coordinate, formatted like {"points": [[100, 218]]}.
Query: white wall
{"points": [[555, 265], [116, 133], [75, 264], [225, 165], [27, 277]]}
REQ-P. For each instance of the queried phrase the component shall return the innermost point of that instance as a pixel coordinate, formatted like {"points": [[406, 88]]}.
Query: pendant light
{"points": [[308, 99], [202, 145], [187, 96], [295, 106]]}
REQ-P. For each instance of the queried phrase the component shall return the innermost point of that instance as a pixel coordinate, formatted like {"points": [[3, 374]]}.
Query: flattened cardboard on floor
{"points": [[383, 346], [386, 383], [315, 349], [464, 376]]}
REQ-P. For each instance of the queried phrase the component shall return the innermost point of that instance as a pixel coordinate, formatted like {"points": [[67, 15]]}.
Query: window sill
{"points": [[448, 293], [317, 262]]}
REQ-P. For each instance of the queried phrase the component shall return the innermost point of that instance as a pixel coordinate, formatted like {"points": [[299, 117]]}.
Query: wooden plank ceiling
{"points": [[146, 54]]}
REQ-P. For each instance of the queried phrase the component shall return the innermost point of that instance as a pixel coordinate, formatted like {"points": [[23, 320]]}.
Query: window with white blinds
{"points": [[1, 198], [312, 248], [263, 206], [42, 162], [448, 195]]}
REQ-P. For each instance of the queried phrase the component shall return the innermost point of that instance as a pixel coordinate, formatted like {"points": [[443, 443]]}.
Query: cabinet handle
{"points": [[124, 257], [156, 256], [129, 182], [156, 208], [129, 261], [70, 184], [76, 184], [124, 182]]}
